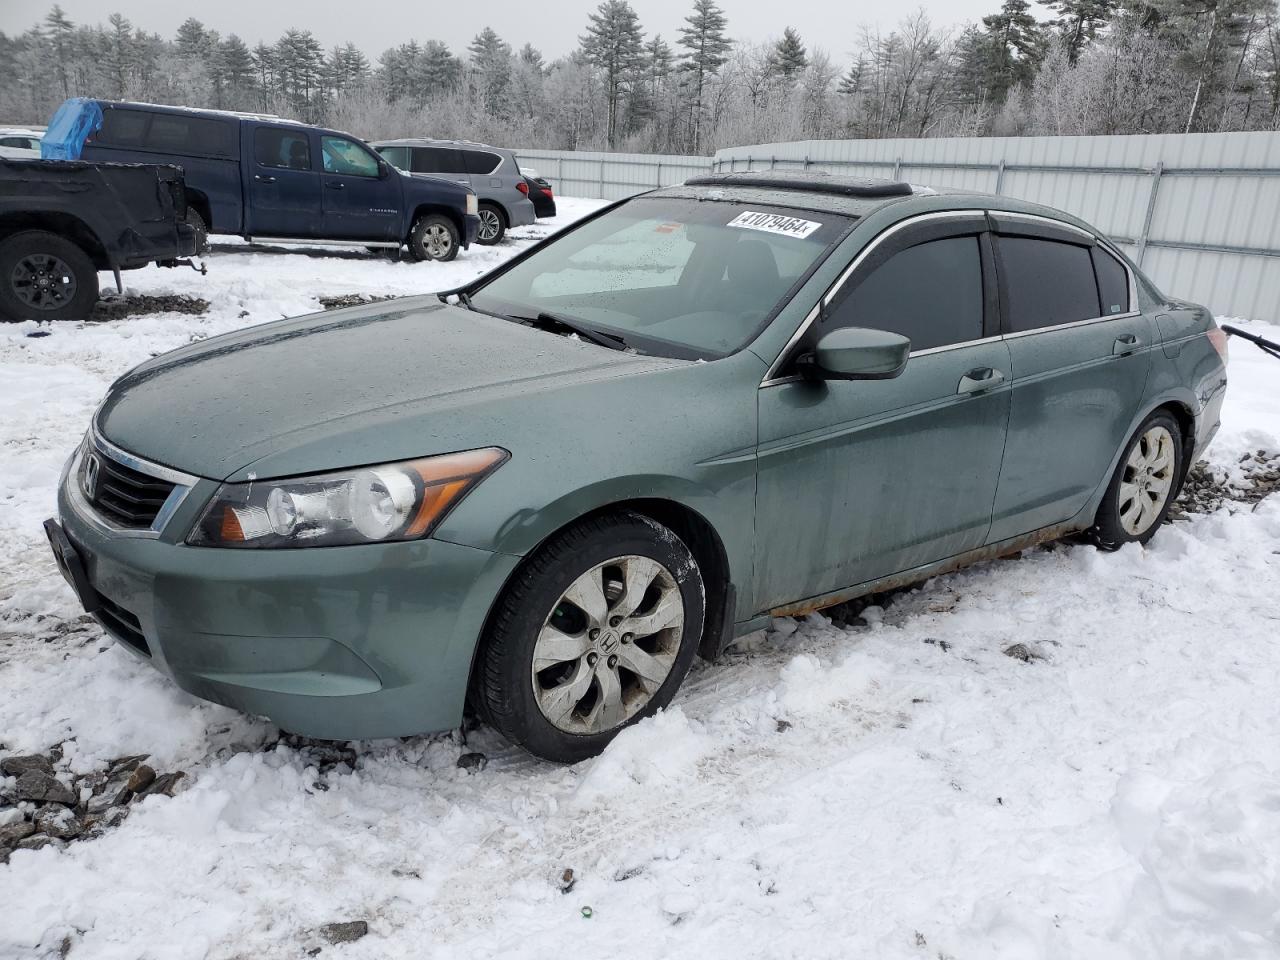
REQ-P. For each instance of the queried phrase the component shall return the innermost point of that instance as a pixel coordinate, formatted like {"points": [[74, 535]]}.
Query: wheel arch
{"points": [[66, 225], [199, 202], [425, 209], [698, 534]]}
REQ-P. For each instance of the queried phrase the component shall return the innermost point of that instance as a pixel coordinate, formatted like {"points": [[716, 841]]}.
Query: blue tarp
{"points": [[69, 128]]}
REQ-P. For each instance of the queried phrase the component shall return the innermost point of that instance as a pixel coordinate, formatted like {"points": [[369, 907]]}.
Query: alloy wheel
{"points": [[437, 241], [1147, 481], [43, 281], [489, 224], [608, 645]]}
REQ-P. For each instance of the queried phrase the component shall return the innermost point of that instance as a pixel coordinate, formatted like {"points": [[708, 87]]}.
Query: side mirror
{"points": [[384, 169], [857, 353]]}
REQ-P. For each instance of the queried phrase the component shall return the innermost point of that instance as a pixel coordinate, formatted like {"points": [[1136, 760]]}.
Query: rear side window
{"points": [[198, 136], [1113, 282], [122, 128], [1047, 283], [930, 293], [285, 149], [481, 162], [437, 160]]}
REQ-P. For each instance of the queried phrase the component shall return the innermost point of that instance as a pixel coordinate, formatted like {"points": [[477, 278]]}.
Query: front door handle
{"points": [[262, 179], [1126, 345], [335, 185], [979, 380]]}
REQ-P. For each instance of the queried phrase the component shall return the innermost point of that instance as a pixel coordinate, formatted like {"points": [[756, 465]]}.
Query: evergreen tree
{"points": [[788, 58], [612, 44], [236, 66], [851, 83], [438, 69], [530, 57], [60, 31], [1016, 47], [706, 49], [192, 40], [491, 60], [121, 54], [1079, 21]]}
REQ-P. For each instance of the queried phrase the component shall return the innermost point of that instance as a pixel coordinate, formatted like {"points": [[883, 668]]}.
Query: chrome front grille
{"points": [[123, 493], [127, 497]]}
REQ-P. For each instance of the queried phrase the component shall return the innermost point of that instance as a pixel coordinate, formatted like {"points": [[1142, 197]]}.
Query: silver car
{"points": [[492, 172]]}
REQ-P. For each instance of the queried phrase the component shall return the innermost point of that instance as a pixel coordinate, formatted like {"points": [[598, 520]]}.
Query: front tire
{"points": [[493, 225], [593, 634], [1141, 491], [45, 277], [434, 237]]}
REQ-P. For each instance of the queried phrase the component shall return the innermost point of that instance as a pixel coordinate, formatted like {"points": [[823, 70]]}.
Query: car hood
{"points": [[396, 380]]}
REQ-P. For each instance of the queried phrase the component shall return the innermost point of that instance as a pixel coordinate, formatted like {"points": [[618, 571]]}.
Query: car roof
{"points": [[432, 142], [202, 111], [850, 196]]}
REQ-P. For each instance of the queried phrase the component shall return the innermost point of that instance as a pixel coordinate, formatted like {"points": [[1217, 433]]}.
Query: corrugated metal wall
{"points": [[1200, 212]]}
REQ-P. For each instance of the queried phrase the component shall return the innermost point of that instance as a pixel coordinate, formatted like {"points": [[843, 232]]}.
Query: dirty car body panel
{"points": [[811, 490]]}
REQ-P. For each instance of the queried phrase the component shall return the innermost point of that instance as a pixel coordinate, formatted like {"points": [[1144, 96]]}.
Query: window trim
{"points": [[771, 376]]}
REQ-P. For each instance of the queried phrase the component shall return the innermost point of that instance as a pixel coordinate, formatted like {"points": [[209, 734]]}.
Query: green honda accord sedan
{"points": [[545, 493]]}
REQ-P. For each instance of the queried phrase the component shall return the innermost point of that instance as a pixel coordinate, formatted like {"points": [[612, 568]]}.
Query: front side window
{"points": [[347, 158], [673, 277], [1047, 283], [283, 149], [930, 293], [398, 157]]}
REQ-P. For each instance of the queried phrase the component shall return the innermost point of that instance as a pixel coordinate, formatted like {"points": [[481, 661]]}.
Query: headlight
{"points": [[473, 205], [394, 501]]}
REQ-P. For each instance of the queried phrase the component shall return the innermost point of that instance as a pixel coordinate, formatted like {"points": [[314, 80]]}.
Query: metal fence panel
{"points": [[611, 176], [1200, 212]]}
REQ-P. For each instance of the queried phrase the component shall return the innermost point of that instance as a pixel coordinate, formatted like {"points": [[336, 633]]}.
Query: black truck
{"points": [[60, 223]]}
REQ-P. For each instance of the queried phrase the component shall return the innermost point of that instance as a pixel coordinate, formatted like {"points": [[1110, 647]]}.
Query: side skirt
{"points": [[916, 574]]}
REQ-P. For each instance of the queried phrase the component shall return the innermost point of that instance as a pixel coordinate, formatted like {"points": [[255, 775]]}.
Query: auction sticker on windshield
{"points": [[775, 223]]}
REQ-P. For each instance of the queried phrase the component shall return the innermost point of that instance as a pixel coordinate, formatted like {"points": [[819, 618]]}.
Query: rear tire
{"points": [[493, 224], [45, 277], [434, 237], [1142, 489], [610, 614]]}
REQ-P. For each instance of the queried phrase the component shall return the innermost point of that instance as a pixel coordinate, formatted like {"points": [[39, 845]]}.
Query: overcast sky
{"points": [[552, 26]]}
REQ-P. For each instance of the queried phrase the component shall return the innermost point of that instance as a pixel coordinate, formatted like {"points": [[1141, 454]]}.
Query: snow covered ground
{"points": [[896, 788]]}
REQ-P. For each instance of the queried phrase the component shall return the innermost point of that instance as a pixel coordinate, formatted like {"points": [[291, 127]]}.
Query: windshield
{"points": [[673, 277]]}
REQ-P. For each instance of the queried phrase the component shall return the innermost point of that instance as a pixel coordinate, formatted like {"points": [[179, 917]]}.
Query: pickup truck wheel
{"points": [[45, 277], [493, 225], [434, 237], [196, 222]]}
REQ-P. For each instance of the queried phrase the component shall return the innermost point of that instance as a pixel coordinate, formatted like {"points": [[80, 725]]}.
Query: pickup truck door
{"points": [[362, 196], [282, 183]]}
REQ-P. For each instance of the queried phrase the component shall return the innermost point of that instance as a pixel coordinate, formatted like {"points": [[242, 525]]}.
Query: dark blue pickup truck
{"points": [[265, 178]]}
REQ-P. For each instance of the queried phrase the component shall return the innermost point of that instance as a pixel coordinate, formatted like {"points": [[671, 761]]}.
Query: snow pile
{"points": [[900, 787]]}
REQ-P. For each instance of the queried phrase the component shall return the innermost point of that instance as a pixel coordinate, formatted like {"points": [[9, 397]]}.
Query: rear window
{"points": [[1113, 282], [1048, 283], [168, 133], [481, 162]]}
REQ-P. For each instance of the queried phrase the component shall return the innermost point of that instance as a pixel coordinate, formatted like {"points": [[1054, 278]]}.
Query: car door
{"points": [[444, 162], [862, 479], [1080, 350], [283, 186], [360, 201]]}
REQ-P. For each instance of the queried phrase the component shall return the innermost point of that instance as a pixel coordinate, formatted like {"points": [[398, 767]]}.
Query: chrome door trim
{"points": [[1053, 221], [771, 375]]}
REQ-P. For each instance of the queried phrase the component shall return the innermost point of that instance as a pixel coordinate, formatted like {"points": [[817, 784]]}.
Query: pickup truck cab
{"points": [[267, 178]]}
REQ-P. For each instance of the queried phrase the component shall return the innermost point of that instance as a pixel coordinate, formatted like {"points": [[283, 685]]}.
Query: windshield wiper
{"points": [[558, 322]]}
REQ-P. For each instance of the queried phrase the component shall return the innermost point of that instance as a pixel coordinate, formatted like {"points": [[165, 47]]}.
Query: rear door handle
{"points": [[979, 380], [1126, 345], [262, 179], [335, 185]]}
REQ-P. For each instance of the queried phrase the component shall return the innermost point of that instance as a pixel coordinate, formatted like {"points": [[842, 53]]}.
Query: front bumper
{"points": [[338, 643], [470, 228]]}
